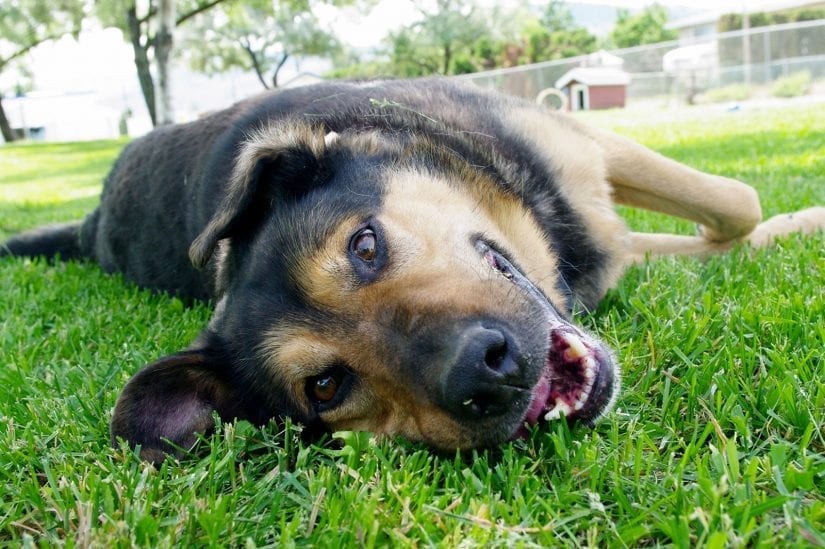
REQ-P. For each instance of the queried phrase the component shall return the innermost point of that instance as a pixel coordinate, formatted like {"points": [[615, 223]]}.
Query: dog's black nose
{"points": [[484, 379]]}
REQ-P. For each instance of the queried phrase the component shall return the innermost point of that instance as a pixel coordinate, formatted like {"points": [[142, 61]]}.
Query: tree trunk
{"points": [[278, 69], [448, 54], [164, 43], [5, 127], [256, 66], [147, 85]]}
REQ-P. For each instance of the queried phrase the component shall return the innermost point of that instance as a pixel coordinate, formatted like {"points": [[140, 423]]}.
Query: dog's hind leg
{"points": [[640, 177], [49, 241], [727, 210], [803, 221]]}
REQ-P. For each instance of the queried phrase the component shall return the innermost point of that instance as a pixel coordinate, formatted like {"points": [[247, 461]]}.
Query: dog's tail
{"points": [[50, 241]]}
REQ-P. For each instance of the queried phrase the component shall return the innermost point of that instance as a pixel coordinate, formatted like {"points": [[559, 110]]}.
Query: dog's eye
{"points": [[368, 252], [329, 389], [324, 388], [499, 263], [364, 245]]}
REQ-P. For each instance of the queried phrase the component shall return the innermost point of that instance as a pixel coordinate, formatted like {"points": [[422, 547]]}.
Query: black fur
{"points": [[52, 241], [141, 229], [166, 187]]}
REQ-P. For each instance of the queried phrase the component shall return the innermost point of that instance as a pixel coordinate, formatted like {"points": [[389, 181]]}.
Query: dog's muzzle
{"points": [[579, 378]]}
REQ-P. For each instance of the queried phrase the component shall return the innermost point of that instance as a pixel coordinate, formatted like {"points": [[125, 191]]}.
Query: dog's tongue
{"points": [[541, 392]]}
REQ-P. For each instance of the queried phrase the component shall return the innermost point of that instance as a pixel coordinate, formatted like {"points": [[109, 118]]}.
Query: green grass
{"points": [[718, 438]]}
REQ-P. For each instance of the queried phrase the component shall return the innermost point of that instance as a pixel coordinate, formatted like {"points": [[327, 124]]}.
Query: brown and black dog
{"points": [[398, 257]]}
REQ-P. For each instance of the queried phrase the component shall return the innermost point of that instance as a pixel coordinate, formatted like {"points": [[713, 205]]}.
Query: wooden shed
{"points": [[591, 88]]}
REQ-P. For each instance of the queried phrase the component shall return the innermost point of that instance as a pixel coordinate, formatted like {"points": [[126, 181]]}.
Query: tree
{"points": [[457, 37], [24, 25], [431, 45], [139, 27], [646, 27], [557, 16], [258, 35], [556, 35]]}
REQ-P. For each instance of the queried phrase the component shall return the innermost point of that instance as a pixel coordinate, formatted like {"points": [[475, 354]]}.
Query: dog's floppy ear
{"points": [[278, 162], [173, 400]]}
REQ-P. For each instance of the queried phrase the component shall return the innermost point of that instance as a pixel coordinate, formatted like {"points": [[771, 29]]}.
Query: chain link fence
{"points": [[681, 69]]}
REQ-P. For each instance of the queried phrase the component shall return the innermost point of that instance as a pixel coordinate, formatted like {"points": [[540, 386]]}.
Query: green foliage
{"points": [[432, 45], [25, 24], [257, 35], [792, 85], [544, 44], [645, 27], [555, 35], [458, 38], [114, 13], [733, 21], [557, 16], [718, 437]]}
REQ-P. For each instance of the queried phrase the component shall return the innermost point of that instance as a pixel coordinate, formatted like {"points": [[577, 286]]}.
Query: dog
{"points": [[400, 257]]}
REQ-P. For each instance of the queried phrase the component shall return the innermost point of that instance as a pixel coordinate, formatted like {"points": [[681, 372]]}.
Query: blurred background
{"points": [[80, 69]]}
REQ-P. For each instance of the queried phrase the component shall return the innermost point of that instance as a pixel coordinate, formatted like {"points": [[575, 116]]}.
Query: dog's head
{"points": [[373, 282]]}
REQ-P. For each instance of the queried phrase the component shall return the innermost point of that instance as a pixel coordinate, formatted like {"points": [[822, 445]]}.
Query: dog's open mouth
{"points": [[578, 381], [580, 377]]}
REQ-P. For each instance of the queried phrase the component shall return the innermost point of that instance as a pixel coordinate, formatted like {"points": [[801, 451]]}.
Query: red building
{"points": [[591, 88]]}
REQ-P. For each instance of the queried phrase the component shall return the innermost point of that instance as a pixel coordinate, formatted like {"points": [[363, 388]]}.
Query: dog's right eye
{"points": [[364, 245], [368, 251], [330, 388]]}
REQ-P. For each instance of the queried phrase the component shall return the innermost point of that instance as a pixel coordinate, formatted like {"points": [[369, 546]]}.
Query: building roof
{"points": [[603, 58], [594, 76]]}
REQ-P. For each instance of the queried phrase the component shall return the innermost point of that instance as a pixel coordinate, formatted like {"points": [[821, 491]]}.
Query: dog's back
{"points": [[166, 186]]}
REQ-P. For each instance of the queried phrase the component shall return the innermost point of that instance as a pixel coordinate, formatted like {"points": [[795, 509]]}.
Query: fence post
{"points": [[746, 45]]}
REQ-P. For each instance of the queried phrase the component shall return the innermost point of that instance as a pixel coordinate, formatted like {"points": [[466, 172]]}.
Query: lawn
{"points": [[718, 438]]}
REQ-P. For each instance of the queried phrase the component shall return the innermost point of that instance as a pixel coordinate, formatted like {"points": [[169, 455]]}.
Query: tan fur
{"points": [[435, 269], [582, 175], [378, 403], [416, 221], [643, 178], [727, 210]]}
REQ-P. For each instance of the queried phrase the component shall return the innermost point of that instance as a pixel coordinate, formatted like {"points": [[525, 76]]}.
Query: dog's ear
{"points": [[276, 163], [168, 403]]}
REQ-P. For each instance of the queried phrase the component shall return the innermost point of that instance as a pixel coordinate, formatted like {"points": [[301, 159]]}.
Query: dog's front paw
{"points": [[806, 221], [710, 235]]}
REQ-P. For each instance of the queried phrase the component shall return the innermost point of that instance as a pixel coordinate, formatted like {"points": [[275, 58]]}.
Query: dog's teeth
{"points": [[589, 368], [560, 408], [576, 348], [582, 399]]}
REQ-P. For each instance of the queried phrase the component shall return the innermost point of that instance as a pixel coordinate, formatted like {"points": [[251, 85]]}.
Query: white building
{"points": [[62, 116]]}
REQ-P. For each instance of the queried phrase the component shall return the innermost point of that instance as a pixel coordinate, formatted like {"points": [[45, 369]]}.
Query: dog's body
{"points": [[399, 257]]}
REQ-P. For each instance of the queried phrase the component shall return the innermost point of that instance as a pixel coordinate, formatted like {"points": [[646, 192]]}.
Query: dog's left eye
{"points": [[364, 245], [324, 388], [330, 388]]}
